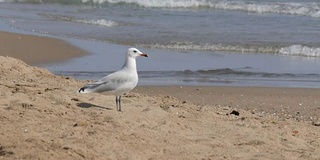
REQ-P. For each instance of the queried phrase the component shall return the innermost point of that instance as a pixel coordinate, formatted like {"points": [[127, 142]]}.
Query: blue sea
{"points": [[190, 42]]}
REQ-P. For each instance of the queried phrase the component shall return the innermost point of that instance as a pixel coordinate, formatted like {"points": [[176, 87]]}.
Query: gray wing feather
{"points": [[108, 83]]}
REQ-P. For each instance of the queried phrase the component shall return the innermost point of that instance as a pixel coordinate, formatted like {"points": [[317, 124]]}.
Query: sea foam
{"points": [[217, 47], [311, 9], [293, 8], [100, 22], [293, 50], [299, 50]]}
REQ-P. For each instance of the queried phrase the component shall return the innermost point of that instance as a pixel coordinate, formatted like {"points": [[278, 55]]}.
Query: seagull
{"points": [[119, 82]]}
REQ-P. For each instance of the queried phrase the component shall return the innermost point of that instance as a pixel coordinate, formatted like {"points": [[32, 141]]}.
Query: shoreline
{"points": [[42, 116], [36, 50]]}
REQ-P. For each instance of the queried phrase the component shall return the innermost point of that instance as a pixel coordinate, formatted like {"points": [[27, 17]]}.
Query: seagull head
{"points": [[134, 53]]}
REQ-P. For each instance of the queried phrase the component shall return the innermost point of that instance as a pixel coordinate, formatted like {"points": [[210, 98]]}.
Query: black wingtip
{"points": [[81, 90]]}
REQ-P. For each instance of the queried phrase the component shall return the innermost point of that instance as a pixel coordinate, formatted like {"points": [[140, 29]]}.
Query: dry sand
{"points": [[43, 117], [302, 104]]}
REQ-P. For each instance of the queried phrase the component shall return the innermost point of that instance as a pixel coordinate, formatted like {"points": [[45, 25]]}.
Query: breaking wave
{"points": [[311, 9], [217, 47], [98, 22], [299, 50], [293, 50], [292, 8]]}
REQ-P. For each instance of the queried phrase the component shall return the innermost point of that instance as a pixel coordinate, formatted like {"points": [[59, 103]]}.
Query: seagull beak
{"points": [[144, 55]]}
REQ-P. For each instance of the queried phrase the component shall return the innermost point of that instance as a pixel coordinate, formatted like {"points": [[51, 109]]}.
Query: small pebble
{"points": [[235, 112], [74, 99], [316, 123]]}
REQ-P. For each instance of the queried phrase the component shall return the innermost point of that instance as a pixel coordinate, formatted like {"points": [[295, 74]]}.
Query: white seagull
{"points": [[119, 82]]}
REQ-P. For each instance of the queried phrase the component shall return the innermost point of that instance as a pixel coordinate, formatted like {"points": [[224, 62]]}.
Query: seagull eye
{"points": [[134, 51]]}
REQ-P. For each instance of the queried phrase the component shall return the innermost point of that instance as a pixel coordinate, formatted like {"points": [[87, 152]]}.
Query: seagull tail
{"points": [[84, 89], [90, 87]]}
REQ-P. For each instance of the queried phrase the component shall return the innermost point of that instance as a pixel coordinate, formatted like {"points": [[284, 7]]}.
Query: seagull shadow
{"points": [[89, 105]]}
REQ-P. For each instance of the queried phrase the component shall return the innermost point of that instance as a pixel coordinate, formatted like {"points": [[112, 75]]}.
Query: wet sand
{"points": [[42, 116], [37, 50]]}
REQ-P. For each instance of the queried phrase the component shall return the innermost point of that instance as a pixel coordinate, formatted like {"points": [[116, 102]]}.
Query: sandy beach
{"points": [[298, 103], [36, 50], [43, 117]]}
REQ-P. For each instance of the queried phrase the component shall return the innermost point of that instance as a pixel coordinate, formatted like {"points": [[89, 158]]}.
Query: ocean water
{"points": [[190, 42]]}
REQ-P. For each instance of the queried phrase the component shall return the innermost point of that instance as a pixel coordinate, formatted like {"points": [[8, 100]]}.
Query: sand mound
{"points": [[43, 117]]}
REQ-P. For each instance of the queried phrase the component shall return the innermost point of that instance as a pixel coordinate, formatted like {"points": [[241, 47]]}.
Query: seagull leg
{"points": [[118, 103]]}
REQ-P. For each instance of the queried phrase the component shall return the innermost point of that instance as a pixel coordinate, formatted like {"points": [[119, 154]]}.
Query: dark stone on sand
{"points": [[316, 123], [237, 113]]}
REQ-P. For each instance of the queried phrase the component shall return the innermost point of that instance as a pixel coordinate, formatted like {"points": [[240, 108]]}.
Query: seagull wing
{"points": [[108, 83]]}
